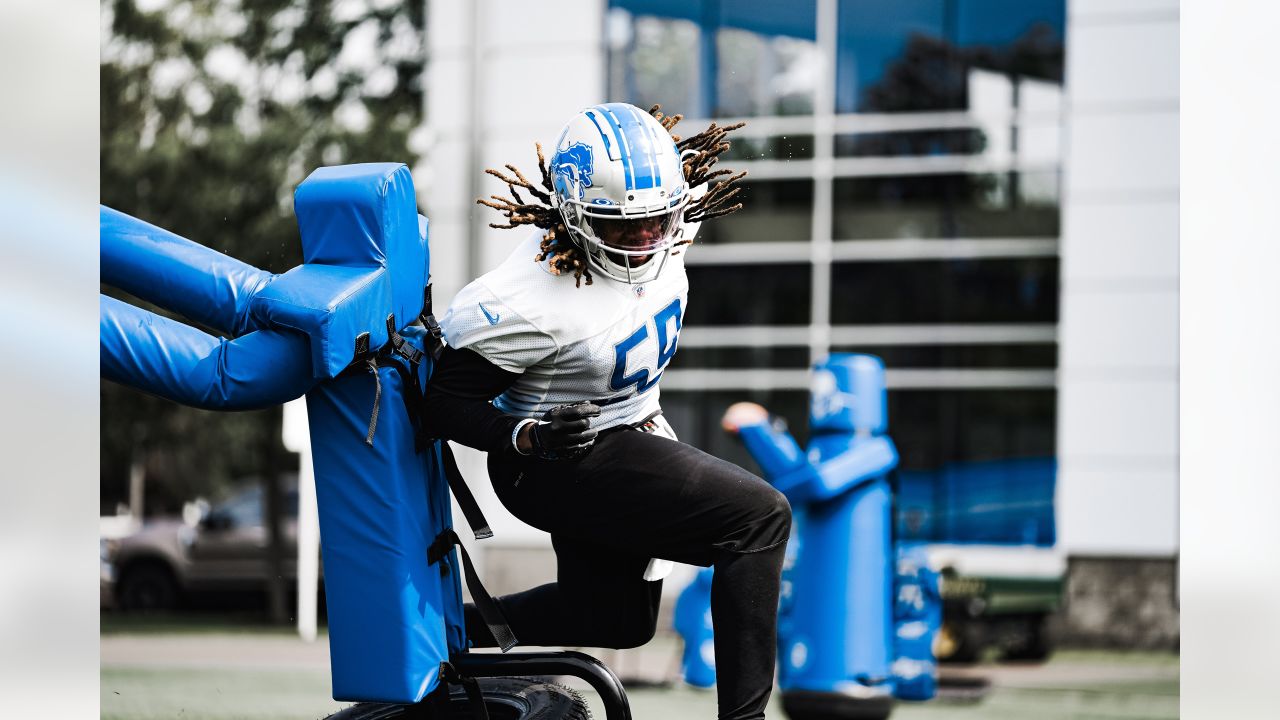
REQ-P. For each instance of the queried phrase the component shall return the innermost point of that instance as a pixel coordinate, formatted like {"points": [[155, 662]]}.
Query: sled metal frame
{"points": [[566, 662]]}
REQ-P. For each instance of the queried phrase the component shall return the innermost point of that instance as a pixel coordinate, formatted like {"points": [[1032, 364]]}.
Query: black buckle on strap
{"points": [[489, 610], [441, 546], [399, 345], [475, 698], [435, 333]]}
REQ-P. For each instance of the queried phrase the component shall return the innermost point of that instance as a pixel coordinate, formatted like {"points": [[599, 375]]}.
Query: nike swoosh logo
{"points": [[493, 319]]}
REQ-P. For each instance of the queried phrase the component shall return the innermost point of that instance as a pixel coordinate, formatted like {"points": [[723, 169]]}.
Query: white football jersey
{"points": [[607, 342]]}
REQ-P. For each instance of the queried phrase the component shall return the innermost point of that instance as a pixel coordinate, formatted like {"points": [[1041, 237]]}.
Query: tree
{"points": [[211, 114]]}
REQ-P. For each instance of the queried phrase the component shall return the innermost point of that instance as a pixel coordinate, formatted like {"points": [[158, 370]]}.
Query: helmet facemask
{"points": [[631, 245]]}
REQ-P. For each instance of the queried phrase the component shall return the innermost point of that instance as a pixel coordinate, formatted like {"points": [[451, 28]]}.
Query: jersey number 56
{"points": [[666, 325]]}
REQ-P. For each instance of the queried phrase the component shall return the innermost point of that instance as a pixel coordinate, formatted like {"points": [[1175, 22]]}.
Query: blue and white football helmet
{"points": [[620, 187]]}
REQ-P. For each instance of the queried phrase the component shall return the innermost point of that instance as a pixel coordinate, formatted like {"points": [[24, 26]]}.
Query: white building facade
{"points": [[1118, 364]]}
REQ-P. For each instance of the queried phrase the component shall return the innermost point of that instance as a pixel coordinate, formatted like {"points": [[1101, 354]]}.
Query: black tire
{"points": [[812, 705], [147, 586], [508, 698], [1034, 646]]}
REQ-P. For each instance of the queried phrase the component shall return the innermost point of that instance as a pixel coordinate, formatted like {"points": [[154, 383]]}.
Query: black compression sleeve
{"points": [[457, 401]]}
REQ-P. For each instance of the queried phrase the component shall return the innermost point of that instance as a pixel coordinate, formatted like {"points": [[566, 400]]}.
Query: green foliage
{"points": [[211, 114]]}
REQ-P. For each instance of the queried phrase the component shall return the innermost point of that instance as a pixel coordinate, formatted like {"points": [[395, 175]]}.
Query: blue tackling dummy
{"points": [[847, 626]]}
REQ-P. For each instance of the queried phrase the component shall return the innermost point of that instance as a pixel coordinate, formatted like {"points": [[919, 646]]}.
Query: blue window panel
{"points": [[683, 9], [873, 35], [1001, 502], [796, 18], [766, 17], [1000, 22]]}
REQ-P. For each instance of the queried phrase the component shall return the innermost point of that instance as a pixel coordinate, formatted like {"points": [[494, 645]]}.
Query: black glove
{"points": [[565, 431]]}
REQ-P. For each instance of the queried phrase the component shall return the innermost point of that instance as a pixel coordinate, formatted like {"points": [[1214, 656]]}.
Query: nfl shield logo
{"points": [[639, 291]]}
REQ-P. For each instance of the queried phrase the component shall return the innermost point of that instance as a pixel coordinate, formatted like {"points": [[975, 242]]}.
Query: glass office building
{"points": [[983, 193], [902, 199]]}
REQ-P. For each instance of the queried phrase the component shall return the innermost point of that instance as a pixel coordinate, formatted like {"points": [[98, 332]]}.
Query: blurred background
{"points": [[983, 193]]}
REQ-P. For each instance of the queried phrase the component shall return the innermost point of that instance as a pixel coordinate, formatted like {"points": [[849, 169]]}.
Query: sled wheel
{"points": [[507, 698], [811, 705]]}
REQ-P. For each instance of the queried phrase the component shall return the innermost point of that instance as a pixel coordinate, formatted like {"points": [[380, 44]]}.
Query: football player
{"points": [[569, 338]]}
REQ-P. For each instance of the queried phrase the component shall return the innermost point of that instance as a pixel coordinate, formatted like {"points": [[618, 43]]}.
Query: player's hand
{"points": [[743, 413], [564, 432]]}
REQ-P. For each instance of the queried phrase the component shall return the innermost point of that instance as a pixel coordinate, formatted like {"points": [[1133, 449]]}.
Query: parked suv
{"points": [[170, 560]]}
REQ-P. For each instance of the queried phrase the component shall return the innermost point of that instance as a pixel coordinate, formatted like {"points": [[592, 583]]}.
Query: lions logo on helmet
{"points": [[572, 167], [620, 188]]}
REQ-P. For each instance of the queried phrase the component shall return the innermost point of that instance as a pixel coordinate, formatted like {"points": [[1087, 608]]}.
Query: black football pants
{"points": [[633, 497]]}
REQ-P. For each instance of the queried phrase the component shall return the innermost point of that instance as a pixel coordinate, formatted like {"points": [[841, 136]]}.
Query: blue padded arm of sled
{"points": [[180, 363], [175, 273], [333, 305], [365, 248]]}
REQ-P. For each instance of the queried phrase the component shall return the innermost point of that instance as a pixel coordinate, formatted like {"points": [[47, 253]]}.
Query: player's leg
{"points": [[641, 495], [645, 495], [744, 608], [599, 599]]}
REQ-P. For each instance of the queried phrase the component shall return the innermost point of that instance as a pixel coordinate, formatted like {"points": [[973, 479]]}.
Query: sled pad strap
{"points": [[489, 609], [435, 334], [462, 493], [475, 699]]}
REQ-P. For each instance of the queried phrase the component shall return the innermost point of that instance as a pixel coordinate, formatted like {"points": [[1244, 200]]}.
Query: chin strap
{"points": [[599, 258]]}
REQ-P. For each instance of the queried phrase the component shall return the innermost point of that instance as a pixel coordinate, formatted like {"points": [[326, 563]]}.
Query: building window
{"points": [[717, 58], [987, 205], [967, 290], [653, 59], [916, 218], [772, 211], [749, 294], [914, 55], [764, 75]]}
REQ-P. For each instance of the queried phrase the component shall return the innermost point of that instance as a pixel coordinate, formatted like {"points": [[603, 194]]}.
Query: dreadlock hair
{"points": [[704, 150], [565, 255]]}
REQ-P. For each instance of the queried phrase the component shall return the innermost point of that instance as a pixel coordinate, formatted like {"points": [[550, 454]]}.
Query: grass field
{"points": [[154, 693], [179, 669]]}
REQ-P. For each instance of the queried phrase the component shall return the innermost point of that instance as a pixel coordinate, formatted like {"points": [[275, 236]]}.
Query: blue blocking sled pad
{"points": [[394, 616]]}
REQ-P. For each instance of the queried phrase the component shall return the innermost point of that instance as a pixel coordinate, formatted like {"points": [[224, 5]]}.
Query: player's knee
{"points": [[625, 633], [777, 518], [770, 518], [761, 519], [635, 633]]}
